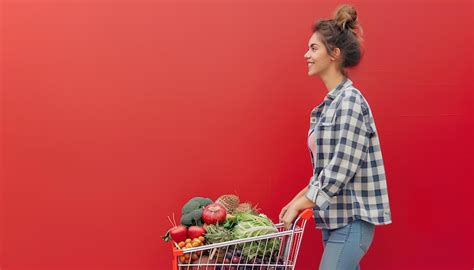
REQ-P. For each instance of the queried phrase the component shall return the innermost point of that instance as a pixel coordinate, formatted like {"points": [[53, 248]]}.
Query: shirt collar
{"points": [[341, 86]]}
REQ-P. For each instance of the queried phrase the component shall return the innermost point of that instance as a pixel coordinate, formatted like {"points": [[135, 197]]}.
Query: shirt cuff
{"points": [[318, 196]]}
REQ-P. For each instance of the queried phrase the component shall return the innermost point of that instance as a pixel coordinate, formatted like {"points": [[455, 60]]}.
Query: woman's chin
{"points": [[312, 73]]}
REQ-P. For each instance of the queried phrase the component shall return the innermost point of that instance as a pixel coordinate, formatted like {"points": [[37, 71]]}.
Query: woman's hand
{"points": [[283, 211], [289, 216]]}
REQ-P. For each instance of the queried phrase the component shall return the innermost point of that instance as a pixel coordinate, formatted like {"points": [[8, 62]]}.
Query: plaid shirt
{"points": [[349, 177]]}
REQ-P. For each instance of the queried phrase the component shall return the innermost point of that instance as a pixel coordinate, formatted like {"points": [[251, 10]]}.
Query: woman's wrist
{"points": [[298, 196], [302, 203]]}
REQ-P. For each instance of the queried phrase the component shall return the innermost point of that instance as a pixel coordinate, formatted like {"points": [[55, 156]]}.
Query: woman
{"points": [[348, 191]]}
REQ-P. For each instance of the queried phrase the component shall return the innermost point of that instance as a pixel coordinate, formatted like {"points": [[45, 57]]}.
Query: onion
{"points": [[214, 213]]}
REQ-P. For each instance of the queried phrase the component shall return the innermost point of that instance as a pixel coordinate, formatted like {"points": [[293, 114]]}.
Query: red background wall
{"points": [[115, 113]]}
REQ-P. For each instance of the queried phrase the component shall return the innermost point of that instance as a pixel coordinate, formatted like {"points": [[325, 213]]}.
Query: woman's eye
{"points": [[313, 49]]}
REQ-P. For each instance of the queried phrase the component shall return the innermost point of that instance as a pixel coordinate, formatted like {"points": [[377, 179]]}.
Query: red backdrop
{"points": [[115, 113]]}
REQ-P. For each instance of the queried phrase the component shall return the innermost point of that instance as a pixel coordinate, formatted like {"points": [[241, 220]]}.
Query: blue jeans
{"points": [[344, 247]]}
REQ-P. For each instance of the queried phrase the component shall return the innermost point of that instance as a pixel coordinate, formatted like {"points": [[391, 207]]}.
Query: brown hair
{"points": [[343, 32]]}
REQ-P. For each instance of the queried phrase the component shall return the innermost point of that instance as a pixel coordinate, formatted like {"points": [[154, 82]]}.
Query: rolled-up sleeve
{"points": [[350, 149]]}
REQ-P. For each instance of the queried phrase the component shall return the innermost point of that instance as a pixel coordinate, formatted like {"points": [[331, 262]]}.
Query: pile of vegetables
{"points": [[206, 222]]}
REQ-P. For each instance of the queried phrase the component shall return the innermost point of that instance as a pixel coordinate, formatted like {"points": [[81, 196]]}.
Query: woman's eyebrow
{"points": [[312, 44]]}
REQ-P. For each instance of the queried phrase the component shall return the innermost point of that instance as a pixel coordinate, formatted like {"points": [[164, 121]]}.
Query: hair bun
{"points": [[346, 17]]}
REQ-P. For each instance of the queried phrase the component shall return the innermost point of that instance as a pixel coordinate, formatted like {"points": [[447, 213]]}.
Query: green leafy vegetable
{"points": [[217, 234], [250, 225]]}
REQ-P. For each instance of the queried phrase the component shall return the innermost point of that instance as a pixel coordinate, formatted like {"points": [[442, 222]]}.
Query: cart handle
{"points": [[306, 214]]}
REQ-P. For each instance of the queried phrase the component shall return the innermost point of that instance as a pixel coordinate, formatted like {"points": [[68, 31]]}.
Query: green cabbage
{"points": [[251, 225]]}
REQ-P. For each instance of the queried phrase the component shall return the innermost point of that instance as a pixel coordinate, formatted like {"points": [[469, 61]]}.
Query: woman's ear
{"points": [[336, 54]]}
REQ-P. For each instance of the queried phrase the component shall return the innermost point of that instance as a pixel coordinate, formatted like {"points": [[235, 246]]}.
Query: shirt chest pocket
{"points": [[328, 120], [327, 123]]}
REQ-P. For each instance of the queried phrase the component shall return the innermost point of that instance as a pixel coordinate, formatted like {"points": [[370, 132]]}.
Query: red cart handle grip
{"points": [[306, 214]]}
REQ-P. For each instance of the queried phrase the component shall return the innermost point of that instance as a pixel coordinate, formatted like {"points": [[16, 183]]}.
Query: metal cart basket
{"points": [[275, 251]]}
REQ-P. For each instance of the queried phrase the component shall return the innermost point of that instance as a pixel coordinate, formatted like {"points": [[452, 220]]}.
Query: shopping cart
{"points": [[275, 251]]}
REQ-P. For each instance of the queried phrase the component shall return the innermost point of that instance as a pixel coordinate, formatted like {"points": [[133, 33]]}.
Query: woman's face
{"points": [[317, 56]]}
